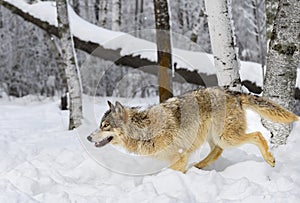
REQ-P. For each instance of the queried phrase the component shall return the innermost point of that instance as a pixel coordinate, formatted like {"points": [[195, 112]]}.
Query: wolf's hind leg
{"points": [[257, 139], [214, 154], [180, 163]]}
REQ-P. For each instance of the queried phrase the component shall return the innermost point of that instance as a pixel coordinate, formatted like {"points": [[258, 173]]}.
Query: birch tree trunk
{"points": [[136, 15], [223, 43], [180, 15], [1, 18], [104, 8], [97, 6], [196, 26], [69, 64], [76, 6], [271, 9], [164, 50], [141, 12], [259, 32], [139, 9], [186, 15], [116, 15], [283, 59]]}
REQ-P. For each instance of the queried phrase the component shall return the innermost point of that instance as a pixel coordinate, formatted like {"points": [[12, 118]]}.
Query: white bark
{"points": [[76, 6], [103, 15], [116, 15], [139, 9], [223, 43], [271, 9], [180, 16], [283, 59], [259, 32], [69, 64], [196, 26]]}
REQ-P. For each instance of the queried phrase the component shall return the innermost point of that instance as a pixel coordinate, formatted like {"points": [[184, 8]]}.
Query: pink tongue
{"points": [[103, 142]]}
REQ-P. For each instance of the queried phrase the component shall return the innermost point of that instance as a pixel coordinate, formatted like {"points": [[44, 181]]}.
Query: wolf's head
{"points": [[110, 130]]}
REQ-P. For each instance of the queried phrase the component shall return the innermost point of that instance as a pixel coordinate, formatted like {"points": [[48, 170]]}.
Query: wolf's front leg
{"points": [[179, 163]]}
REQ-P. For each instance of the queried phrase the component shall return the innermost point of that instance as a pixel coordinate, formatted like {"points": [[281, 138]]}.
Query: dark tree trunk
{"points": [[97, 10], [164, 55], [1, 18], [141, 16], [136, 13]]}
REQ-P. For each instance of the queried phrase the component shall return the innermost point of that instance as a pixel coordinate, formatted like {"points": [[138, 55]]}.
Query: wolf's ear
{"points": [[111, 106], [120, 110]]}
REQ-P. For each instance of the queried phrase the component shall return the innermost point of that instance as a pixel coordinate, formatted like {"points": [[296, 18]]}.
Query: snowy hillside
{"points": [[41, 161]]}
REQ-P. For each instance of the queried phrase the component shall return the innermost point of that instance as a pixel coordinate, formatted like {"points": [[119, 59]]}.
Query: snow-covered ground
{"points": [[41, 161]]}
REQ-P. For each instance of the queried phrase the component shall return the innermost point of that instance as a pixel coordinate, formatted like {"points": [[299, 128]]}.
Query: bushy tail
{"points": [[268, 109]]}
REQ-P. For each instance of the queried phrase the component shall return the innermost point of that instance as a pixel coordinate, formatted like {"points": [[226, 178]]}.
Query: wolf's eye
{"points": [[106, 125]]}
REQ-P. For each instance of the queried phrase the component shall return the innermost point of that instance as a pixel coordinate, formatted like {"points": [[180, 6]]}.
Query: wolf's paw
{"points": [[201, 165], [270, 159]]}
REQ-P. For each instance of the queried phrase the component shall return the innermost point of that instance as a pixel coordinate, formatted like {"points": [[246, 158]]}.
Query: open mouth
{"points": [[103, 142]]}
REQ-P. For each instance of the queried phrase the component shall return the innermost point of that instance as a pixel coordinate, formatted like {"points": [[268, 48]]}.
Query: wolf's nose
{"points": [[89, 138]]}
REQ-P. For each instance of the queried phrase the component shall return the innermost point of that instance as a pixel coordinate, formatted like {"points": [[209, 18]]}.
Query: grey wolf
{"points": [[177, 127]]}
